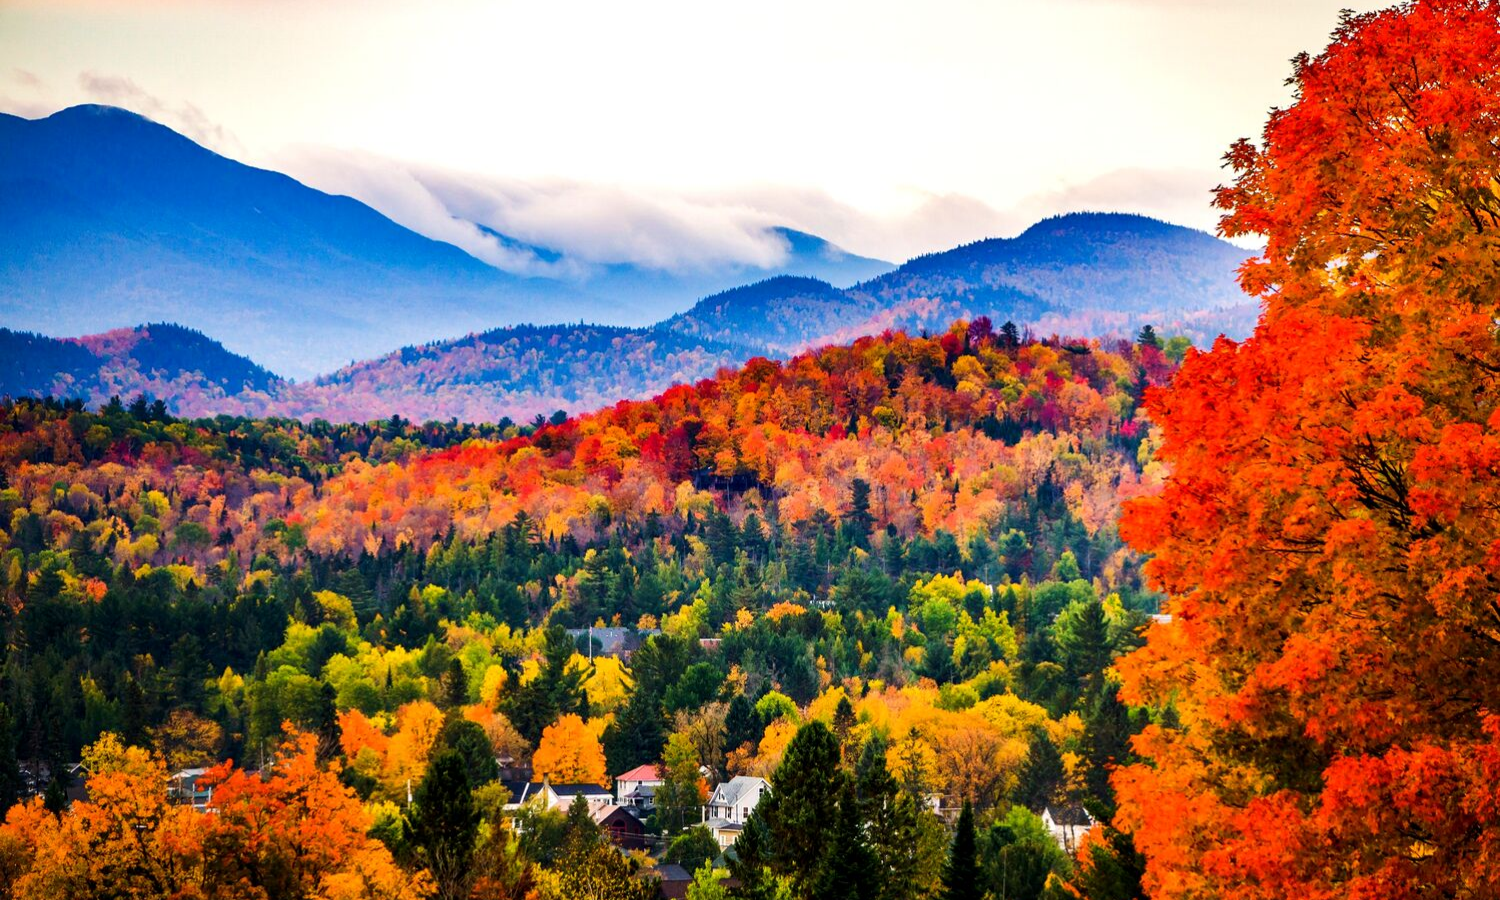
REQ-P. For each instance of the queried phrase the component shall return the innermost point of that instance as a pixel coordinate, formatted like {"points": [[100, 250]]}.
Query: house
{"points": [[731, 805], [1067, 824], [622, 825], [673, 880], [555, 796], [610, 641], [186, 787], [637, 788]]}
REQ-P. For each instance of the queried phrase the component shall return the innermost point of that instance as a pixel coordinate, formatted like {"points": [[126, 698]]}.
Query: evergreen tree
{"points": [[455, 684], [848, 868], [443, 824], [961, 874], [803, 802], [1042, 775], [741, 724], [751, 859], [469, 741], [325, 722], [844, 721], [859, 522], [1106, 744]]}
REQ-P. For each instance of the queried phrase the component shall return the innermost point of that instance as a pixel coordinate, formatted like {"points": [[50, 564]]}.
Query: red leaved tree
{"points": [[1330, 533]]}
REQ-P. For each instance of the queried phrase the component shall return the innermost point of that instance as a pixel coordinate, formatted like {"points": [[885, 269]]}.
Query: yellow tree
{"points": [[569, 753]]}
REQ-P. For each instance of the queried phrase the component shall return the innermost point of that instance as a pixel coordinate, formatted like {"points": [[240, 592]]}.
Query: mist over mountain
{"points": [[115, 220], [112, 220]]}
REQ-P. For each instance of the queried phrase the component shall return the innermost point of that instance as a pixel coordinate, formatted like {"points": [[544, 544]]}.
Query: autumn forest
{"points": [[945, 613]]}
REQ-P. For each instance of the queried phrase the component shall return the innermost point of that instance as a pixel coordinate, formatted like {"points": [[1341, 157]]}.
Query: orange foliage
{"points": [[569, 753], [1330, 531], [298, 832]]}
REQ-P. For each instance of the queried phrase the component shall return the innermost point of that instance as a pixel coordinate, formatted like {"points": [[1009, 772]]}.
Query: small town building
{"points": [[621, 825], [1067, 824], [637, 788], [731, 805]]}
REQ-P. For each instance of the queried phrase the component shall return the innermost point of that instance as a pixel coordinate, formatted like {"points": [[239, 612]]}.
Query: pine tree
{"points": [[455, 684], [848, 868], [750, 862], [961, 874], [804, 802], [443, 823], [1042, 774], [326, 722]]}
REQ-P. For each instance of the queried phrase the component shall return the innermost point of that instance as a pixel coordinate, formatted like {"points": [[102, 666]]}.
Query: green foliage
{"points": [[803, 802], [443, 822]]}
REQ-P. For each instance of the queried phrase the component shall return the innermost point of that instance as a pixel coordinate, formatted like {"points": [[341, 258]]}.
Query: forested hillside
{"points": [[1091, 275], [908, 540], [162, 360]]}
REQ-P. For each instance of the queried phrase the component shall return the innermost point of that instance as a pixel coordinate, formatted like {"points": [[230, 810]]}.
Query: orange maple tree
{"points": [[569, 753], [1330, 532]]}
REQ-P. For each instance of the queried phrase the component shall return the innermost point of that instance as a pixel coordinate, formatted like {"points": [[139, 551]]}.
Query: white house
{"points": [[1067, 824], [637, 787], [556, 796], [731, 805]]}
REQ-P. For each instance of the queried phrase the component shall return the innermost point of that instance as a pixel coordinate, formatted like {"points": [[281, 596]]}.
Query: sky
{"points": [[672, 134]]}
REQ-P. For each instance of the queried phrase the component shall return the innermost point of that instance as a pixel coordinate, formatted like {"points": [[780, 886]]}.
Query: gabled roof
{"points": [[602, 814], [640, 773], [1073, 816], [569, 790], [730, 792]]}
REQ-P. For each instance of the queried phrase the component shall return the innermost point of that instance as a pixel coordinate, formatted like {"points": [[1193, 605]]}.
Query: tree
{"points": [[848, 868], [556, 690], [455, 684], [706, 884], [680, 795], [443, 823], [1148, 337], [751, 862], [569, 754], [1043, 774], [961, 874], [187, 739], [1020, 856], [1328, 531], [470, 741], [692, 849], [803, 802]]}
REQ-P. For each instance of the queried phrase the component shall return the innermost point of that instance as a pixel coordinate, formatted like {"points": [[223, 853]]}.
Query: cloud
{"points": [[186, 118], [1180, 195], [590, 225], [558, 228]]}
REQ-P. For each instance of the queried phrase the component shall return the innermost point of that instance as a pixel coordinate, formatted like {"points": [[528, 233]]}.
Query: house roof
{"points": [[671, 872], [730, 792], [1073, 816], [602, 814], [569, 790], [641, 773]]}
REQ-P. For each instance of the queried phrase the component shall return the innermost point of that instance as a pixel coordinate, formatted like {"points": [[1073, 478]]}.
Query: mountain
{"points": [[1083, 273], [112, 219], [190, 369], [661, 293], [1080, 275], [518, 372]]}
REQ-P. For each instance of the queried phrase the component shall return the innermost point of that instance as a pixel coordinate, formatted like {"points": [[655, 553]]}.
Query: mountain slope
{"points": [[112, 219], [189, 369], [1083, 273], [516, 372]]}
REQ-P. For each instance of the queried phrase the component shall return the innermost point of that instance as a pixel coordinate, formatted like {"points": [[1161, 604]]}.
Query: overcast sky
{"points": [[890, 127]]}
